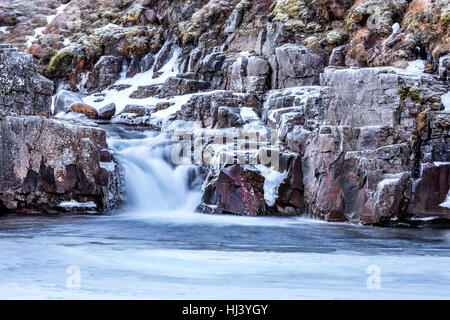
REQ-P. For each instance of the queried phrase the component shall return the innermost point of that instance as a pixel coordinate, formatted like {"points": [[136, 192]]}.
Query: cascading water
{"points": [[154, 185]]}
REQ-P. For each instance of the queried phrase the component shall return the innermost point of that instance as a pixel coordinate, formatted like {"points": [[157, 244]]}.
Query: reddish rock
{"points": [[431, 191], [240, 191]]}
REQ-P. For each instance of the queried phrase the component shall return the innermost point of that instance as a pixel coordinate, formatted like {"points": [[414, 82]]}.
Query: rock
{"points": [[431, 191], [107, 112], [134, 66], [147, 62], [136, 115], [203, 108], [444, 68], [379, 96], [226, 117], [337, 58], [85, 109], [240, 191], [276, 34], [297, 66], [106, 71], [150, 15], [23, 91], [48, 162], [68, 101], [143, 92], [249, 75], [177, 86]]}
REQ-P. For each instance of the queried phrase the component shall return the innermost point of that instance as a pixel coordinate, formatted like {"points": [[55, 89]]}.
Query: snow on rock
{"points": [[4, 29], [248, 114], [446, 203], [446, 101], [395, 27], [39, 32], [122, 98], [416, 67], [76, 204], [272, 182]]}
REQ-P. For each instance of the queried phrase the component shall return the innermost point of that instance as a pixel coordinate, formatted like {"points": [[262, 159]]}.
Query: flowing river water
{"points": [[156, 247]]}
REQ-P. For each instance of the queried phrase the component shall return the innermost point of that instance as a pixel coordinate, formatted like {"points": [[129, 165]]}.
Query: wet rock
{"points": [[203, 107]]}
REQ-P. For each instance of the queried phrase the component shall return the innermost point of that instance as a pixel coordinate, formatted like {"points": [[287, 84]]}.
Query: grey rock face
{"points": [[23, 91], [379, 96], [362, 163], [274, 37], [249, 74], [296, 66], [46, 163]]}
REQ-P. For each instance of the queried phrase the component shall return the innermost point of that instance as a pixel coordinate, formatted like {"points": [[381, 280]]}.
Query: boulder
{"points": [[47, 163], [240, 191], [107, 112]]}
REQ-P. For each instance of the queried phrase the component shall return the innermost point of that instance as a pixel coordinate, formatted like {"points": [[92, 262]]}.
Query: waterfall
{"points": [[154, 185]]}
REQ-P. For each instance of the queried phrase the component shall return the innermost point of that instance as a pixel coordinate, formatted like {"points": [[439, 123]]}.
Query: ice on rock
{"points": [[446, 101], [446, 203], [76, 204], [272, 181]]}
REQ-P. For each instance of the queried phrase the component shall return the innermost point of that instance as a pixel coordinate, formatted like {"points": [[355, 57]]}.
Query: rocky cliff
{"points": [[347, 100]]}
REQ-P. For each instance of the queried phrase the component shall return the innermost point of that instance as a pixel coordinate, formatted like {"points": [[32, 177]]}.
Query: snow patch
{"points": [[39, 32]]}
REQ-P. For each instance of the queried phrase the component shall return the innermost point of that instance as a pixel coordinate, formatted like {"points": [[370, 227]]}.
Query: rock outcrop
{"points": [[52, 166], [49, 165]]}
